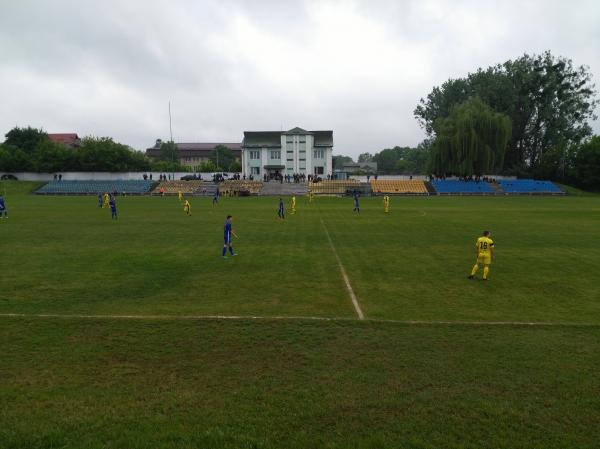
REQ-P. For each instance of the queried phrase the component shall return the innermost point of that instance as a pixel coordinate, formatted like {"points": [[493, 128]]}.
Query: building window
{"points": [[289, 140], [275, 154], [255, 170], [290, 160], [254, 154], [302, 139], [319, 154], [319, 170], [301, 159]]}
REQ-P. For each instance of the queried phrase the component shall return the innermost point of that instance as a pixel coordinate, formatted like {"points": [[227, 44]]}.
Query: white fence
{"points": [[105, 176]]}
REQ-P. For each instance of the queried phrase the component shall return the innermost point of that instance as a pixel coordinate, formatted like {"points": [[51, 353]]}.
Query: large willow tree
{"points": [[472, 140]]}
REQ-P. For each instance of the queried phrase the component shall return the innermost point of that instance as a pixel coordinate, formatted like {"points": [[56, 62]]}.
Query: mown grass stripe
{"points": [[357, 308]]}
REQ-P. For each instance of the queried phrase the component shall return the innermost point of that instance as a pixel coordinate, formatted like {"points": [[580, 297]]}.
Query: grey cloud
{"points": [[357, 67]]}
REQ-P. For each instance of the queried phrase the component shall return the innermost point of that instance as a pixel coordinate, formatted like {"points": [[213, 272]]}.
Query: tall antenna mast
{"points": [[170, 126], [172, 152]]}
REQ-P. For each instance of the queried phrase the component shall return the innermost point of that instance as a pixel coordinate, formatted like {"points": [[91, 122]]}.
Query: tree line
{"points": [[527, 117], [30, 149]]}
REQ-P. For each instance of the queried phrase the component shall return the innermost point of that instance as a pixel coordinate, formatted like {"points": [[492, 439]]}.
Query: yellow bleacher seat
{"points": [[333, 187], [398, 186], [178, 186]]}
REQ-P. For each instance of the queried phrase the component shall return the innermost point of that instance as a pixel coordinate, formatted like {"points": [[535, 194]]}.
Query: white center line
{"points": [[359, 312]]}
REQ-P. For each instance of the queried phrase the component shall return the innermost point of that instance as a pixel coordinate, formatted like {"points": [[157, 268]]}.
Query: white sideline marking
{"points": [[293, 318], [344, 275]]}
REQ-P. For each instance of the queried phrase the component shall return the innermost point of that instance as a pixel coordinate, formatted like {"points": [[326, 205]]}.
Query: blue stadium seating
{"points": [[528, 186], [94, 187], [452, 186]]}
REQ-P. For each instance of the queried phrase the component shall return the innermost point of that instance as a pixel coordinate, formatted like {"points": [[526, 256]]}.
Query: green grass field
{"points": [[466, 375]]}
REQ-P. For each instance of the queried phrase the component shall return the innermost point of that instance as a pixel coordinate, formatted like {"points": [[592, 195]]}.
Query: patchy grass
{"points": [[269, 383], [74, 383]]}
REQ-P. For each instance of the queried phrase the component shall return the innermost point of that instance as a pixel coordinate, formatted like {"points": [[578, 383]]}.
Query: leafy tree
{"points": [[586, 165], [386, 159], [222, 157], [548, 100], [235, 167], [403, 160], [7, 161], [339, 161], [470, 141], [26, 139], [208, 167], [166, 166], [169, 152], [103, 154], [52, 157], [365, 157], [22, 160]]}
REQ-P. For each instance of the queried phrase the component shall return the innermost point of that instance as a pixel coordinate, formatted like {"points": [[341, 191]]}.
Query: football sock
{"points": [[486, 270], [474, 270], [224, 251], [231, 250]]}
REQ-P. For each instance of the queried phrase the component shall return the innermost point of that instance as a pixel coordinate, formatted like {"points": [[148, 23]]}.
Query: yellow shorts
{"points": [[485, 259]]}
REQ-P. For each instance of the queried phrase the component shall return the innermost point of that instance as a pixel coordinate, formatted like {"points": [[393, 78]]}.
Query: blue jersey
{"points": [[356, 198], [281, 205], [227, 232], [2, 205], [112, 204]]}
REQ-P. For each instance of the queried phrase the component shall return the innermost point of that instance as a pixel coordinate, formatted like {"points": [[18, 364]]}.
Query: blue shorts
{"points": [[227, 240]]}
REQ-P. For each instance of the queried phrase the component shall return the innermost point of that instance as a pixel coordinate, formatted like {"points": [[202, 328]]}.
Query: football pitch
{"points": [[135, 333]]}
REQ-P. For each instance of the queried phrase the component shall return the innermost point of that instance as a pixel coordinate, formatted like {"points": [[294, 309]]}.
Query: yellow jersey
{"points": [[484, 246]]}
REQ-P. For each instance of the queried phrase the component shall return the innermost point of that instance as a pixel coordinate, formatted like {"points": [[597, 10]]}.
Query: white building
{"points": [[287, 152]]}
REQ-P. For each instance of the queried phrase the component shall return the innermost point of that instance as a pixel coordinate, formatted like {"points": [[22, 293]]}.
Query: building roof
{"points": [[323, 138], [260, 139], [69, 139], [297, 130], [196, 149], [207, 146], [272, 139]]}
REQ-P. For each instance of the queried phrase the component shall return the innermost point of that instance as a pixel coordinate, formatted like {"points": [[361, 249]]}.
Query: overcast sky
{"points": [[110, 67]]}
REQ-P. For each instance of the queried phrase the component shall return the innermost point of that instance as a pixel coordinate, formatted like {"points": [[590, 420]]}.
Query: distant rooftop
{"points": [[197, 149], [68, 139]]}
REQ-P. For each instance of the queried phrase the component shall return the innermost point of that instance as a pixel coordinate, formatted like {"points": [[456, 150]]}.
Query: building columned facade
{"points": [[287, 152]]}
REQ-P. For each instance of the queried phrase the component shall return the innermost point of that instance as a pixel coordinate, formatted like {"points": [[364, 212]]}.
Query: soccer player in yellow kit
{"points": [[293, 204], [180, 195], [386, 203], [187, 207], [485, 254], [106, 200]]}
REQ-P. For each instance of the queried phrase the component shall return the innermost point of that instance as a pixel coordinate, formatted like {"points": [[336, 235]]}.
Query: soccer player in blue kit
{"points": [[356, 206], [228, 232], [3, 210], [281, 211], [113, 207], [216, 197]]}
